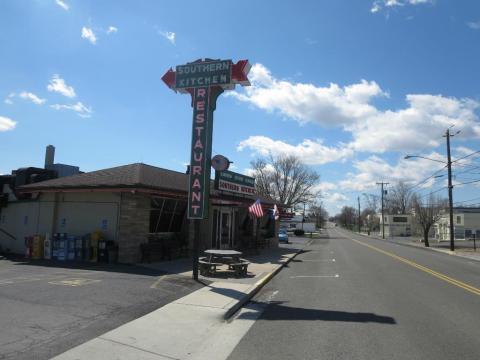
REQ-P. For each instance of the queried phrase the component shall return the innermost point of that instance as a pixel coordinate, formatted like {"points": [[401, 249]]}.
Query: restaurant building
{"points": [[141, 208]]}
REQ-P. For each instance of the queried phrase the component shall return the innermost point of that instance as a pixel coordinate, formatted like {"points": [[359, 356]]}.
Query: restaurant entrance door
{"points": [[224, 228]]}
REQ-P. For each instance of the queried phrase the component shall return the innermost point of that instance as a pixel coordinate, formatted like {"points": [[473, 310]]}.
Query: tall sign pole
{"points": [[204, 80]]}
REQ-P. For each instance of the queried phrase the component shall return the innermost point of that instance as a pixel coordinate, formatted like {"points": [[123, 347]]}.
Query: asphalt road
{"points": [[46, 310], [351, 297]]}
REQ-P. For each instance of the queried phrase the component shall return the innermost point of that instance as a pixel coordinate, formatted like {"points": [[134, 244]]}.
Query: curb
{"points": [[259, 285]]}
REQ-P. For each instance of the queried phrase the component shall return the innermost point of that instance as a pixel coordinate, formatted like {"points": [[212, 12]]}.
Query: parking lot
{"points": [[47, 308]]}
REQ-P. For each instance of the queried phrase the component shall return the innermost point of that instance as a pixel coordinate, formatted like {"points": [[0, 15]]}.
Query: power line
{"points": [[465, 201], [433, 192], [468, 182], [428, 178], [466, 156]]}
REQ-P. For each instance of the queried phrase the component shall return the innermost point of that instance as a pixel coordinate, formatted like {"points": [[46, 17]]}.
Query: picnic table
{"points": [[218, 257]]}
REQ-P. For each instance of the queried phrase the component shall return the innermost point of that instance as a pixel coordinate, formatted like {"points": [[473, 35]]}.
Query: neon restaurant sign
{"points": [[204, 80]]}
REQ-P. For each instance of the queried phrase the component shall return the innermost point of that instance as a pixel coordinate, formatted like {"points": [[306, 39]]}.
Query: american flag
{"points": [[256, 209], [276, 213]]}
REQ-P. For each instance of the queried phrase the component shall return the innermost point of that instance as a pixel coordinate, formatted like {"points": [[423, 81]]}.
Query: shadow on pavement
{"points": [[277, 311], [116, 268]]}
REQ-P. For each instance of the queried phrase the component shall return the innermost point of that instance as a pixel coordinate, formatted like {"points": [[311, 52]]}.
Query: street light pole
{"points": [[450, 188]]}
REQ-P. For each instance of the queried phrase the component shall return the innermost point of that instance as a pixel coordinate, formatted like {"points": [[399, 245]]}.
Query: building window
{"points": [[400, 219], [459, 219], [166, 215]]}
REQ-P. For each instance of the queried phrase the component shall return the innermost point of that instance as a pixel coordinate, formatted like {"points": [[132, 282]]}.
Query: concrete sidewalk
{"points": [[181, 329]]}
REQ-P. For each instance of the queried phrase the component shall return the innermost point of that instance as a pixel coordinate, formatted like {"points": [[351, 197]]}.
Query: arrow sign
{"points": [[220, 73], [240, 71], [169, 78]]}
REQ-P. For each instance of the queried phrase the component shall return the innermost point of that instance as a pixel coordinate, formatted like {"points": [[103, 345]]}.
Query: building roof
{"points": [[133, 175], [473, 210], [136, 175]]}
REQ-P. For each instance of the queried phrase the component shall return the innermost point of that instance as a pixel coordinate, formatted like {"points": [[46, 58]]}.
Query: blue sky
{"points": [[350, 86]]}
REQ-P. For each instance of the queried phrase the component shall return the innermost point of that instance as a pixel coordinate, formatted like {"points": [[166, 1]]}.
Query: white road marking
{"points": [[272, 295], [74, 282], [320, 260], [315, 276]]}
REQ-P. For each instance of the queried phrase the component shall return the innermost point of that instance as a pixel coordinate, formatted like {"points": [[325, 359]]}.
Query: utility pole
{"points": [[450, 188], [383, 214], [359, 217], [303, 217]]}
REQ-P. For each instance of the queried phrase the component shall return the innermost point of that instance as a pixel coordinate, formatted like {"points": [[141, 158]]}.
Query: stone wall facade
{"points": [[134, 222]]}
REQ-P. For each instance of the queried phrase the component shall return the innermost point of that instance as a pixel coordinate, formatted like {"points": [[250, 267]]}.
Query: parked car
{"points": [[283, 236]]}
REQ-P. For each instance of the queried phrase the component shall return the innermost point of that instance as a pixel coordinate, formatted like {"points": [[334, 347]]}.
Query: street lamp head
{"points": [[406, 157]]}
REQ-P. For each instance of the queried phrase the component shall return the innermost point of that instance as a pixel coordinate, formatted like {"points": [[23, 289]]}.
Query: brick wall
{"points": [[133, 226]]}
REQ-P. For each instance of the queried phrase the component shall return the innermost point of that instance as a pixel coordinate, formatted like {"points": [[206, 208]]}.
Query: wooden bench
{"points": [[240, 268], [207, 268]]}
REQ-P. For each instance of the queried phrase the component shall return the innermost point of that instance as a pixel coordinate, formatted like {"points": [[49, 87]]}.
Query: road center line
{"points": [[441, 276]]}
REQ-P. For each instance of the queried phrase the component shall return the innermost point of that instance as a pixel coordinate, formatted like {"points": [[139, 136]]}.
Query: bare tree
{"points": [[369, 217], [373, 202], [285, 179], [427, 213], [398, 199], [346, 217], [317, 212]]}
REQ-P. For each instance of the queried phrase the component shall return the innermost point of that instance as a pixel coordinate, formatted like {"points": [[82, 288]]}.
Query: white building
{"points": [[296, 222], [397, 225], [466, 224]]}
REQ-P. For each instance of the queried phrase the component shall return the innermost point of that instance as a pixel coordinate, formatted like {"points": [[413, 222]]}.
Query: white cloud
{"points": [[112, 29], [58, 85], [79, 108], [8, 100], [334, 201], [311, 152], [420, 124], [463, 150], [331, 105], [88, 34], [32, 97], [374, 169], [381, 4], [62, 4], [7, 124], [326, 186], [170, 36], [474, 25]]}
